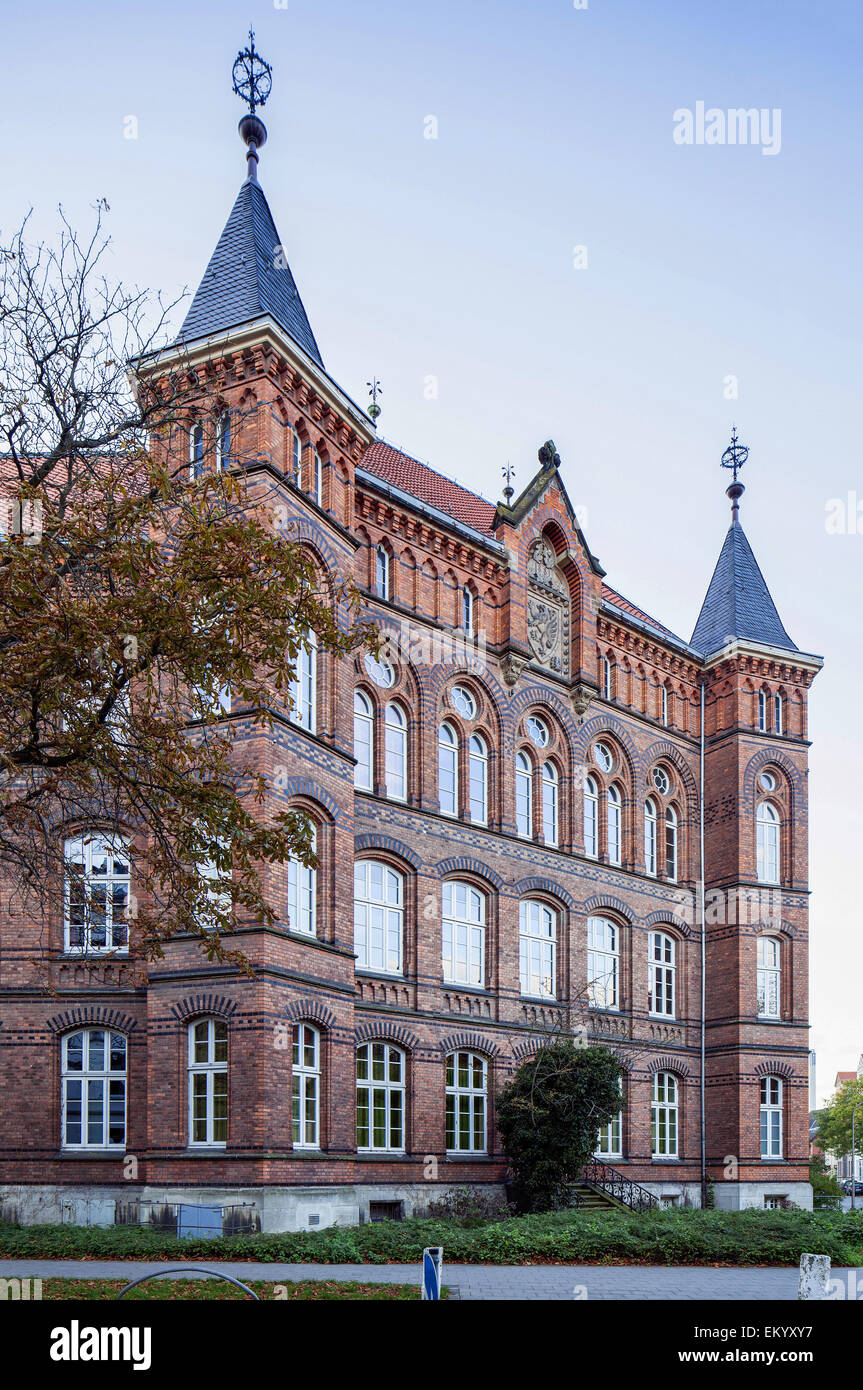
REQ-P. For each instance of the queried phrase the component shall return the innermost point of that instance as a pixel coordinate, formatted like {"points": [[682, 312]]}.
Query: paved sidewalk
{"points": [[556, 1282]]}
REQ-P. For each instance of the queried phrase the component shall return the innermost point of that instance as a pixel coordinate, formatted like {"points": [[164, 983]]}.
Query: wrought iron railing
{"points": [[615, 1184]]}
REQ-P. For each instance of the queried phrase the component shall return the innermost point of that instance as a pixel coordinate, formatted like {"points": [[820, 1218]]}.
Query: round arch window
{"points": [[767, 781], [661, 781], [380, 671], [537, 731], [463, 702], [604, 756]]}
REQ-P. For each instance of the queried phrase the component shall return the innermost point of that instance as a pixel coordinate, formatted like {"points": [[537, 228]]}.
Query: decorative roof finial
{"points": [[253, 81], [375, 390], [734, 457], [509, 490]]}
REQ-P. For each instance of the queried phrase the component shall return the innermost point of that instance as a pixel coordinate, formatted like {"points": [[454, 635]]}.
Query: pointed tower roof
{"points": [[248, 276], [738, 602]]}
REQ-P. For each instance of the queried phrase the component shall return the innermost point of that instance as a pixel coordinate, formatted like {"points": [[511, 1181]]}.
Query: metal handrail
{"points": [[599, 1175], [187, 1269]]}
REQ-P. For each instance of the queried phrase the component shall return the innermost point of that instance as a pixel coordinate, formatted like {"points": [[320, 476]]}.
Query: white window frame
{"points": [[392, 1092], [662, 1000], [591, 818], [769, 977], [396, 752], [778, 714], [478, 780], [608, 678], [210, 1071], [523, 795], [651, 834], [317, 477], [762, 712], [768, 825], [664, 1115], [550, 804], [303, 894], [95, 1086], [379, 911], [537, 949], [463, 933], [304, 686], [466, 1114], [296, 455], [364, 742], [664, 704], [614, 807], [86, 847], [771, 1118], [672, 841], [609, 1140], [447, 765], [467, 610], [306, 1087], [224, 426], [603, 963], [196, 451], [382, 571]]}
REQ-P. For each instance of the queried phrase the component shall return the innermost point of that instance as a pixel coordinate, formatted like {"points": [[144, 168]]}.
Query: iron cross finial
{"points": [[735, 455], [253, 78]]}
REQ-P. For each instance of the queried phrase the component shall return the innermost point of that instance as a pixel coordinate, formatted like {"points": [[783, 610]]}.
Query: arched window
{"points": [[208, 1082], [447, 770], [664, 705], [663, 1115], [767, 847], [478, 780], [378, 917], [650, 836], [603, 963], [550, 803], [396, 751], [769, 977], [607, 678], [304, 685], [537, 934], [771, 1117], [778, 715], [466, 1102], [671, 844], [97, 879], [380, 1098], [523, 795], [364, 741], [463, 934], [306, 1087], [223, 442], [382, 572], [615, 822], [591, 818], [296, 455], [302, 895], [196, 450], [317, 478], [661, 979], [467, 611], [93, 1095], [762, 712]]}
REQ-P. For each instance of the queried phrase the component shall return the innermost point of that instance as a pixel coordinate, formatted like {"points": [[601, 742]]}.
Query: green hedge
{"points": [[659, 1237]]}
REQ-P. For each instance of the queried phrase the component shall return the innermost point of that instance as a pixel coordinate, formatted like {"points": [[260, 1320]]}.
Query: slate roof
{"points": [[248, 278], [738, 602]]}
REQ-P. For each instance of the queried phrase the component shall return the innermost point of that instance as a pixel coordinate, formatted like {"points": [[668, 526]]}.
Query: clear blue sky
{"points": [[453, 258]]}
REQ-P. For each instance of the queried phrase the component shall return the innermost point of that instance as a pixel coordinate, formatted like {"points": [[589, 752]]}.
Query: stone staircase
{"points": [[603, 1188]]}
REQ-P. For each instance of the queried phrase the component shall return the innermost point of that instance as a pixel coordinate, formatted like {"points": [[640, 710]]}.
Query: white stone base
{"points": [[675, 1194], [735, 1196]]}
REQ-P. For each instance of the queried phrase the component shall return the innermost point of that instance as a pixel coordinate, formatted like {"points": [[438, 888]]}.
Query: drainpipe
{"points": [[703, 917]]}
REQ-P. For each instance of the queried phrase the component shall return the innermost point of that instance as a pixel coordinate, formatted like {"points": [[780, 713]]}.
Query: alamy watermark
{"points": [[710, 125]]}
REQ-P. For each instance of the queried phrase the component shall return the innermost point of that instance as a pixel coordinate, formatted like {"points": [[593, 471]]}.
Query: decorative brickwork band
{"points": [[310, 1011], [468, 1042], [526, 886], [363, 843], [659, 919], [304, 786], [100, 1014], [783, 1069], [381, 1030], [469, 866], [195, 1005], [672, 1064], [602, 903]]}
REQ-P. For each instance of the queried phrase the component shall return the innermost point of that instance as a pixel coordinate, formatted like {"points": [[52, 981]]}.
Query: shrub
{"points": [[470, 1205]]}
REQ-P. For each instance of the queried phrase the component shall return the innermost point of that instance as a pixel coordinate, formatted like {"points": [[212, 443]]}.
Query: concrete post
{"points": [[814, 1276]]}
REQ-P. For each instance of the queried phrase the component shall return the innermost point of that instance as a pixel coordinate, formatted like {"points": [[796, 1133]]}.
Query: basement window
{"points": [[386, 1211]]}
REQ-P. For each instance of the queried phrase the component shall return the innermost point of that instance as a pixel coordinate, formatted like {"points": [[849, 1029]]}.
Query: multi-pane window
{"points": [[664, 705], [93, 1090], [478, 780], [196, 450], [306, 1087], [661, 979], [96, 894], [771, 1117], [302, 894], [304, 685], [296, 455], [650, 836], [447, 770], [523, 795], [537, 948], [396, 752], [591, 818], [777, 714], [607, 678], [378, 917], [769, 977], [467, 611], [610, 1140], [466, 1102], [223, 441], [615, 822], [463, 933], [767, 846], [380, 1098], [603, 963], [762, 712], [364, 741], [317, 477], [215, 870], [671, 844], [208, 1082], [550, 803], [382, 572], [663, 1116]]}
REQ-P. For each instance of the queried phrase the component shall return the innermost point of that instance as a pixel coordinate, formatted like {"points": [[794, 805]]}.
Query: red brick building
{"points": [[514, 809]]}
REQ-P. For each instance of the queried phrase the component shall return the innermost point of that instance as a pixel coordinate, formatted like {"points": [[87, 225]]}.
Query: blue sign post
{"points": [[432, 1261]]}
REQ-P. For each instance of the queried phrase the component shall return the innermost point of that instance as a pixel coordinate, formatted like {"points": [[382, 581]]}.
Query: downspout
{"points": [[702, 916]]}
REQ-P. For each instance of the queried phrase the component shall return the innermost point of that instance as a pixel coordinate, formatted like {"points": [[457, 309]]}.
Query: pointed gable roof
{"points": [[738, 602], [249, 278]]}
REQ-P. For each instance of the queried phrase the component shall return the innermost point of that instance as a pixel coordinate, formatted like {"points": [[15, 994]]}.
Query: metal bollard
{"points": [[814, 1276], [432, 1262]]}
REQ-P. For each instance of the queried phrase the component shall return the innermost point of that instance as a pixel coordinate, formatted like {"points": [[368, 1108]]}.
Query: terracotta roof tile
{"points": [[422, 482]]}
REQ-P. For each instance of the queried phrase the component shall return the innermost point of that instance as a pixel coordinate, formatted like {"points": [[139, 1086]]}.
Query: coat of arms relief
{"points": [[547, 609]]}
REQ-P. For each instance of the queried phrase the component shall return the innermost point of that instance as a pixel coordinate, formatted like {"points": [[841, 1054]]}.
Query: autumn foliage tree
{"points": [[131, 598]]}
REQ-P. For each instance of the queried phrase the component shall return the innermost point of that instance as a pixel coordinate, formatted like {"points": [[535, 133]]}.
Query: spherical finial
{"points": [[375, 390]]}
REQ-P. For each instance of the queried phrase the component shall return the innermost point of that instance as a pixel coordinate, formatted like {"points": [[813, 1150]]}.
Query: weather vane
{"points": [[508, 473], [735, 455], [253, 78], [375, 390]]}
